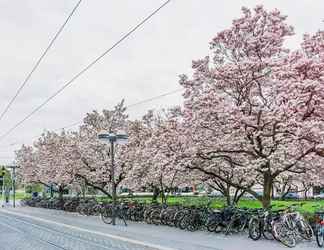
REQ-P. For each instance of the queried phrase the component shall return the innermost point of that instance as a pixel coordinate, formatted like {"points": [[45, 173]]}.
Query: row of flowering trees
{"points": [[253, 114], [74, 158]]}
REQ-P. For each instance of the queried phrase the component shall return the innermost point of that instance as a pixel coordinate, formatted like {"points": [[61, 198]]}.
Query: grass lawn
{"points": [[304, 205], [19, 195]]}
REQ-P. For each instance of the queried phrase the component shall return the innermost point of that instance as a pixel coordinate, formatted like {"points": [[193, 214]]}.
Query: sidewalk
{"points": [[159, 235], [9, 204]]}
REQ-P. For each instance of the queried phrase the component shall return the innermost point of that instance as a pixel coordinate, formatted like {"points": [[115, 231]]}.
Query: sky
{"points": [[145, 65]]}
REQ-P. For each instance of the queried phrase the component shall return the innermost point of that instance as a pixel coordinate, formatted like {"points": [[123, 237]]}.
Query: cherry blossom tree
{"points": [[48, 162], [26, 159], [252, 115], [93, 157], [207, 171], [299, 183], [256, 107], [161, 153]]}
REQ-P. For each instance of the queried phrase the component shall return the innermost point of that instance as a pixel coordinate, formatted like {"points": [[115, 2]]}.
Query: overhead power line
{"points": [[128, 106], [154, 98], [38, 62], [75, 77]]}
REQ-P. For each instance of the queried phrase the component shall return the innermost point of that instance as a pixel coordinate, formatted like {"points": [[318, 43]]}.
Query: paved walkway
{"points": [[136, 234]]}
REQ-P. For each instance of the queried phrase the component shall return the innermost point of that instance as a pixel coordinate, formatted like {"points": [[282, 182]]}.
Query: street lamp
{"points": [[2, 182], [13, 176], [110, 138]]}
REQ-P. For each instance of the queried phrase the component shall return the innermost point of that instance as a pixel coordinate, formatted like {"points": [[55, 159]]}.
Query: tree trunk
{"points": [[272, 192], [163, 198], [227, 195], [83, 190], [51, 191], [228, 200], [156, 192], [60, 191], [238, 195], [162, 191], [306, 189], [267, 190]]}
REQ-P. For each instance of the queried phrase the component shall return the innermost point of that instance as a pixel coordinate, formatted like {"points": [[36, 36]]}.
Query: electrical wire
{"points": [[83, 71], [128, 106], [38, 62]]}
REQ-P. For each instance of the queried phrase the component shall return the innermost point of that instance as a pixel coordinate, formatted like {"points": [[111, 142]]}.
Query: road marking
{"points": [[137, 242]]}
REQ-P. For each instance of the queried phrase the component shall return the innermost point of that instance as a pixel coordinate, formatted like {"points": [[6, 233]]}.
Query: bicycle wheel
{"points": [[219, 228], [169, 218], [211, 225], [320, 236], [268, 234], [267, 231], [305, 230], [121, 218], [147, 216], [137, 216], [178, 217], [243, 223], [255, 229], [229, 227], [192, 227], [164, 217], [155, 217], [184, 222], [79, 209], [106, 215], [87, 211], [284, 235]]}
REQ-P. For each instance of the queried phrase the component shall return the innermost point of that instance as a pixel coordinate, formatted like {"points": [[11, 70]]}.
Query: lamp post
{"points": [[112, 139], [13, 176], [2, 174]]}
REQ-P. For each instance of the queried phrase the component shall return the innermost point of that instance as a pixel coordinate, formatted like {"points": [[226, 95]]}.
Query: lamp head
{"points": [[104, 136], [122, 137]]}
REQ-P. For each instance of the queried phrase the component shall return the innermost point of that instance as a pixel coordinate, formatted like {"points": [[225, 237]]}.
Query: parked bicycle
{"points": [[290, 226], [261, 222], [285, 225], [319, 227], [107, 212]]}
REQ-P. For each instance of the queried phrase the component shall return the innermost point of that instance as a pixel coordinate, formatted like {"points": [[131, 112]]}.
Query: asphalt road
{"points": [[37, 229]]}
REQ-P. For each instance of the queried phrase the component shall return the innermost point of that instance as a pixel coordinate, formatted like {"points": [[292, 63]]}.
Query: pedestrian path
{"points": [[163, 236], [9, 204], [45, 235]]}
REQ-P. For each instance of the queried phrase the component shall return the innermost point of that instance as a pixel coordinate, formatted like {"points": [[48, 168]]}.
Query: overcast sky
{"points": [[145, 65]]}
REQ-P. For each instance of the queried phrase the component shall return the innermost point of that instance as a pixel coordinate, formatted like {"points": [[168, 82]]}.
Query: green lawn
{"points": [[19, 196], [303, 206], [308, 206]]}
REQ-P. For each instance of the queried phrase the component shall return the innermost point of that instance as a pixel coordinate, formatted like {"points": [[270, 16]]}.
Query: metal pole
{"points": [[51, 190], [14, 185], [113, 184], [3, 191]]}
